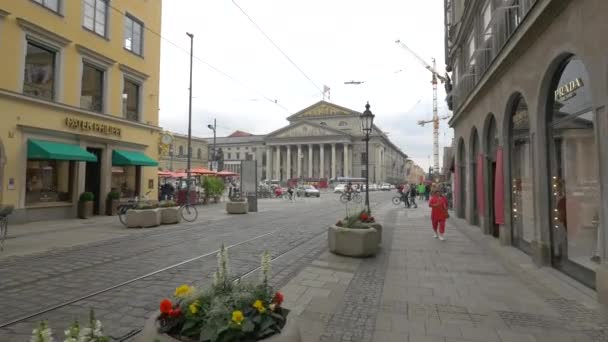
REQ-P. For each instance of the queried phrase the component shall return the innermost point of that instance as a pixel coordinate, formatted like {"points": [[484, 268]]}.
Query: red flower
{"points": [[175, 313], [364, 216], [371, 219], [278, 298], [166, 306]]}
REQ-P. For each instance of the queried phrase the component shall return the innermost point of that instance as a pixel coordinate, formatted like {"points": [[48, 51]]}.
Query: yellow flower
{"points": [[260, 306], [183, 291], [194, 307], [237, 317]]}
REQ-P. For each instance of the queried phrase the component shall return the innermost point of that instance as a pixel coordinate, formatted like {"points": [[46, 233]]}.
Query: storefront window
{"points": [[125, 181], [48, 181], [522, 180], [574, 171]]}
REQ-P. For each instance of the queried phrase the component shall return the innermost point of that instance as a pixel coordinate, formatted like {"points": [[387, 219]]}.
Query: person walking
{"points": [[413, 194], [406, 195], [427, 192], [439, 214], [421, 191]]}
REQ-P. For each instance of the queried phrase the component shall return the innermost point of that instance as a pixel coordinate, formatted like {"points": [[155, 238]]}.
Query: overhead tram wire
{"points": [[276, 46], [273, 101]]}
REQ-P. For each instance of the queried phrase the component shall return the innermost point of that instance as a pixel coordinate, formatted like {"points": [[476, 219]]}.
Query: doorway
{"points": [[491, 142], [92, 178], [493, 226]]}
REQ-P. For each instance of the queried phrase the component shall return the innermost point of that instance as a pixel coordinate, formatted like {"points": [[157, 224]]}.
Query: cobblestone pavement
{"points": [[421, 289], [32, 283]]}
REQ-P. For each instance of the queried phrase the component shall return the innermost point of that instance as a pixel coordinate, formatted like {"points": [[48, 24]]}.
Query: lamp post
{"points": [[189, 121], [214, 159], [367, 120]]}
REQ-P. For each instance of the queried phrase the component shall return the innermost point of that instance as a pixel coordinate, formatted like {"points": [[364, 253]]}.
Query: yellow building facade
{"points": [[177, 157], [78, 103]]}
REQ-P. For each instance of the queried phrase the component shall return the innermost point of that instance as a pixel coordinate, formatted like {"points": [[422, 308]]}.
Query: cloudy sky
{"points": [[238, 73]]}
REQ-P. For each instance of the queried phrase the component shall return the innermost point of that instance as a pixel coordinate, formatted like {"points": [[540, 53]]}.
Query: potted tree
{"points": [[85, 205], [112, 200]]}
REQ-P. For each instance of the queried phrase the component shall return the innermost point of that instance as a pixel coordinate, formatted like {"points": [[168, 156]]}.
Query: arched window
{"points": [[573, 169], [343, 123], [181, 151]]}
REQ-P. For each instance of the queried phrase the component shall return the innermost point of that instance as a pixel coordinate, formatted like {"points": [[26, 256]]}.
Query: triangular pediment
{"points": [[322, 109], [305, 129]]}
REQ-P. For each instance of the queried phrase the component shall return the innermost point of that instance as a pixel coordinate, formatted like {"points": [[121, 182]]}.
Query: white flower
{"points": [[266, 259], [42, 334]]}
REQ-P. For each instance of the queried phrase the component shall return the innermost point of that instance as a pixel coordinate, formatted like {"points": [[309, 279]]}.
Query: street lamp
{"points": [[367, 120], [189, 121], [213, 127]]}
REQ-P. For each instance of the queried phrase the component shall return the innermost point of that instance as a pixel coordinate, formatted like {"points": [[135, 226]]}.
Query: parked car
{"points": [[385, 187], [340, 188], [311, 191], [373, 187]]}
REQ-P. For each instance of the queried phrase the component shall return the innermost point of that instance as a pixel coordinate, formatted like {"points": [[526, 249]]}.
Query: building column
{"points": [[310, 160], [333, 161], [299, 161], [278, 163], [268, 163], [346, 160], [321, 161], [288, 170]]}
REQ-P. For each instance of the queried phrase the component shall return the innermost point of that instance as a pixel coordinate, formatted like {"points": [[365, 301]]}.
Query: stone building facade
{"points": [[177, 158], [530, 89]]}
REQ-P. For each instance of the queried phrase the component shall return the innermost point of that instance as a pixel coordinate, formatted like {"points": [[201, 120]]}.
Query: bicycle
{"points": [[4, 212], [354, 196], [188, 212], [398, 199]]}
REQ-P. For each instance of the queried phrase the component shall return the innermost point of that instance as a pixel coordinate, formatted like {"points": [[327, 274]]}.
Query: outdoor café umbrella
{"points": [[227, 173]]}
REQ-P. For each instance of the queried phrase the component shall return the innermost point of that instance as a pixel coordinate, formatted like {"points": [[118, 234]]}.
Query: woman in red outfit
{"points": [[439, 213]]}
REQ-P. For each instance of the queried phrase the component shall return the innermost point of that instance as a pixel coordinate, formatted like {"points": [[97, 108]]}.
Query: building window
{"points": [[471, 51], [53, 5], [91, 93], [131, 100], [48, 181], [238, 148], [181, 151], [323, 123], [238, 155], [363, 173], [343, 123], [363, 158], [253, 149], [94, 16], [199, 154], [125, 180], [229, 156], [133, 35], [485, 22], [39, 78]]}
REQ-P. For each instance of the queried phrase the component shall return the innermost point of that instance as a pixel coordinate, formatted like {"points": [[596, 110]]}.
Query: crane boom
{"points": [[422, 61]]}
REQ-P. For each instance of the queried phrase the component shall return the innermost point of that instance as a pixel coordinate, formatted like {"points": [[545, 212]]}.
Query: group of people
{"points": [[436, 195], [409, 193]]}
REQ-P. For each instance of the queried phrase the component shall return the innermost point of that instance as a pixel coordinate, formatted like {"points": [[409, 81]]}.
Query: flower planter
{"points": [[112, 207], [290, 333], [237, 207], [377, 226], [143, 218], [85, 209], [354, 242], [169, 215]]}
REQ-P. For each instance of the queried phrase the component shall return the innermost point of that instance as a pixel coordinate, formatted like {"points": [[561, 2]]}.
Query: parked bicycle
{"points": [[354, 197], [398, 199], [4, 212]]}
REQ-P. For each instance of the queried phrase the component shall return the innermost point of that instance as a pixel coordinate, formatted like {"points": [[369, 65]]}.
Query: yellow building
{"points": [[177, 158], [78, 102]]}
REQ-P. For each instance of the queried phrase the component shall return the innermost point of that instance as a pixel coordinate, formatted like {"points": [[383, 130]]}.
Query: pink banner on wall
{"points": [[499, 189], [456, 190], [480, 188]]}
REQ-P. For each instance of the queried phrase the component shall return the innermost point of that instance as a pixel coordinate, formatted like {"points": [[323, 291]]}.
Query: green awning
{"points": [[42, 149], [127, 158]]}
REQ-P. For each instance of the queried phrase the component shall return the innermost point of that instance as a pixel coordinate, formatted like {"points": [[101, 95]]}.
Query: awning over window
{"points": [[128, 158], [42, 149]]}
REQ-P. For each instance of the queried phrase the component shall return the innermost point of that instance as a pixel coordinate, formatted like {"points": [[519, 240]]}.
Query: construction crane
{"points": [[436, 118]]}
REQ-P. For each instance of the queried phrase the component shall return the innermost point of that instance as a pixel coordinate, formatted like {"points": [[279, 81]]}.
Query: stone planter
{"points": [[170, 215], [85, 209], [377, 226], [237, 207], [354, 242], [112, 207], [143, 218], [290, 333]]}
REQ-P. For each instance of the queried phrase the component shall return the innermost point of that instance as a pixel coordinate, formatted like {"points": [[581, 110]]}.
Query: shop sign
{"points": [[567, 91], [91, 126]]}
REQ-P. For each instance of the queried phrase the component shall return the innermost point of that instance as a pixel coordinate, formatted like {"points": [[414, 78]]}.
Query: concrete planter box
{"points": [[237, 207], [290, 333], [143, 218], [377, 226], [354, 242], [170, 215], [85, 209]]}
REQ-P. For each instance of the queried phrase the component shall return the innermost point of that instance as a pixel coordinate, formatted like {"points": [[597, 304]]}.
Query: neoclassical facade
{"points": [[529, 100], [321, 141]]}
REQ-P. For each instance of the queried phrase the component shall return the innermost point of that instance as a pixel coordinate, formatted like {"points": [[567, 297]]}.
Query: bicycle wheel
{"points": [[188, 212], [396, 200], [344, 198], [122, 215]]}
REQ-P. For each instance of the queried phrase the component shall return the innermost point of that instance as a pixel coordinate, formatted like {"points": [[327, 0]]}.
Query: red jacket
{"points": [[439, 205]]}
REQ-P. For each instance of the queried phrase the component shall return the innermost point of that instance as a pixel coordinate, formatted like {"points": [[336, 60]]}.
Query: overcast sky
{"points": [[332, 41]]}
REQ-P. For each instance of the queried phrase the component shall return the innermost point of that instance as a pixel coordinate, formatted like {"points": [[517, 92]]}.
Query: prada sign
{"points": [[92, 126], [568, 90]]}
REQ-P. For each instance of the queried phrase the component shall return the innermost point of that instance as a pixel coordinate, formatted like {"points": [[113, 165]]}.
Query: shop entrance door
{"points": [[92, 181], [493, 226]]}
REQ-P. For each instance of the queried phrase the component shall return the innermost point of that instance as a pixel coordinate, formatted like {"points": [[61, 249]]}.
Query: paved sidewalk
{"points": [[421, 289]]}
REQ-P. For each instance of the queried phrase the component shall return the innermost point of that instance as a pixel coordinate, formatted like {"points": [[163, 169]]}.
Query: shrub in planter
{"points": [[214, 188], [224, 312], [112, 203], [85, 205]]}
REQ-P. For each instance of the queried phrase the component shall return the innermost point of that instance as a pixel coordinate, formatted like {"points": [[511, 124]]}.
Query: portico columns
{"points": [[310, 160], [300, 161], [333, 161], [321, 161], [345, 160], [278, 163], [288, 170], [268, 163]]}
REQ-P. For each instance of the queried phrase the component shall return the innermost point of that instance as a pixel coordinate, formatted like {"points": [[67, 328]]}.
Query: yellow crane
{"points": [[435, 120]]}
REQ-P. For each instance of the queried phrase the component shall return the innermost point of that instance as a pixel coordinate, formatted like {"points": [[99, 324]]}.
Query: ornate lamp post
{"points": [[367, 120]]}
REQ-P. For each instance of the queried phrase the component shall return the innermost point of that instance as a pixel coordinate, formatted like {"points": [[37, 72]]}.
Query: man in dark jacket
{"points": [[427, 192], [413, 194]]}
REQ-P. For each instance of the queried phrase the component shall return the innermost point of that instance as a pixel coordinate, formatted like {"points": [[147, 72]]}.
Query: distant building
{"points": [[177, 156]]}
